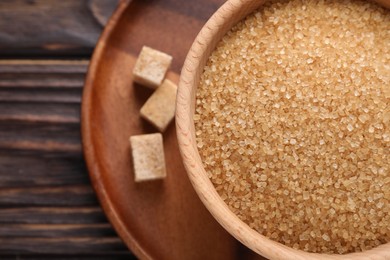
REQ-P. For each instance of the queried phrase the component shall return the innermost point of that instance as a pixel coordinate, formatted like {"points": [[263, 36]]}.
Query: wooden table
{"points": [[47, 205]]}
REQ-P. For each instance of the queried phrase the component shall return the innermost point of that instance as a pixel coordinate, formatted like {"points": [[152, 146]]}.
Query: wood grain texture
{"points": [[80, 195], [51, 215], [47, 206], [41, 170], [44, 113], [61, 245], [56, 230], [70, 256], [48, 209], [47, 28], [230, 13]]}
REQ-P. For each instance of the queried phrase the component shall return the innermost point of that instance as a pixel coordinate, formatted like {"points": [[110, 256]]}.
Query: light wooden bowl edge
{"points": [[230, 13]]}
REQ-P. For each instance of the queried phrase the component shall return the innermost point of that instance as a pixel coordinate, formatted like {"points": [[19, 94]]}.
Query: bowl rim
{"points": [[221, 21], [89, 151]]}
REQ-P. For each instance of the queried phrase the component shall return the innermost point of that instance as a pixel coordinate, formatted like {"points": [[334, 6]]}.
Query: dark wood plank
{"points": [[40, 136], [40, 131], [80, 195], [61, 245], [41, 91], [46, 27], [52, 215], [45, 112], [40, 82], [56, 230], [119, 255], [40, 95], [37, 146], [41, 170], [42, 67], [47, 206], [56, 74]]}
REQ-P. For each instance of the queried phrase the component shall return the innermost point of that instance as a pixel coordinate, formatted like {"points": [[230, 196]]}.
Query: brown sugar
{"points": [[293, 123]]}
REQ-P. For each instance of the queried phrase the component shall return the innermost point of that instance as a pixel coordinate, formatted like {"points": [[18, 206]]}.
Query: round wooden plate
{"points": [[160, 219]]}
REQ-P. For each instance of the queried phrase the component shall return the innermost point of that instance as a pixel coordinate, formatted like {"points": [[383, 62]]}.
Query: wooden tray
{"points": [[161, 219]]}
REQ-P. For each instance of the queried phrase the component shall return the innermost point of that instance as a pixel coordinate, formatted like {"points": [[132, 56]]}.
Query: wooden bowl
{"points": [[161, 219], [228, 15]]}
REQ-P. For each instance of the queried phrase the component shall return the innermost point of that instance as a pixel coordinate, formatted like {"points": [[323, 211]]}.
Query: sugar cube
{"points": [[151, 67], [148, 157], [159, 110]]}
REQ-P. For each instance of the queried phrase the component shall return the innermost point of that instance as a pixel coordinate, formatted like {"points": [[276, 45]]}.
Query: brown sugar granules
{"points": [[293, 123]]}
